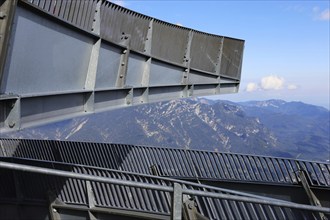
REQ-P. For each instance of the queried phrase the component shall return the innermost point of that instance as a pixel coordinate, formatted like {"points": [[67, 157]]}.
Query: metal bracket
{"points": [[53, 213], [121, 78], [190, 211], [187, 59], [312, 197], [147, 45], [2, 15], [91, 200], [155, 170], [7, 11], [96, 28]]}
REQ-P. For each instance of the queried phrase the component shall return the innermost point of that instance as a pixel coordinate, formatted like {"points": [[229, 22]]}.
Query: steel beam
{"points": [[86, 57]]}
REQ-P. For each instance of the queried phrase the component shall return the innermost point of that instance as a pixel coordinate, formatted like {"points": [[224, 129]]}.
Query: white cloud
{"points": [[292, 87], [323, 15], [118, 2], [272, 82], [251, 87]]}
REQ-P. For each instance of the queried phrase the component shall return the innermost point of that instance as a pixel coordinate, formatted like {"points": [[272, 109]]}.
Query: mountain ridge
{"points": [[270, 128]]}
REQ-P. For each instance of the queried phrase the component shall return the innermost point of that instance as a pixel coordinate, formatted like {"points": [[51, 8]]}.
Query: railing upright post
{"points": [[177, 202]]}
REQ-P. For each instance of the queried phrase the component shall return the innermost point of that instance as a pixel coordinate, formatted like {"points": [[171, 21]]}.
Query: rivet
{"points": [[12, 124]]}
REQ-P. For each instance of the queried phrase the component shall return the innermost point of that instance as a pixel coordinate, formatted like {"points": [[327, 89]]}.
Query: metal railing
{"points": [[171, 162], [218, 202]]}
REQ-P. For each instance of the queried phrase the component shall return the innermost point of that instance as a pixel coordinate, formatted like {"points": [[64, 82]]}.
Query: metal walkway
{"points": [[144, 164], [64, 58], [71, 189], [171, 162]]}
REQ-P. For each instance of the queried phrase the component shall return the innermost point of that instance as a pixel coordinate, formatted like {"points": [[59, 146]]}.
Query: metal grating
{"points": [[78, 13], [232, 57], [118, 21], [171, 162], [206, 57], [168, 41], [74, 191]]}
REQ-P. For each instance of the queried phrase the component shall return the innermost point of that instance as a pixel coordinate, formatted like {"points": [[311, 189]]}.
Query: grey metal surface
{"points": [[54, 59], [171, 162], [115, 189], [69, 58]]}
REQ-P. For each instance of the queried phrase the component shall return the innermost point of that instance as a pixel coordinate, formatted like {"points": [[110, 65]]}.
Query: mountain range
{"points": [[271, 128]]}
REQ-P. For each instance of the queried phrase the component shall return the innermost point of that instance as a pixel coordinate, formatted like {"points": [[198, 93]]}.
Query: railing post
{"points": [[311, 196], [90, 199], [177, 202]]}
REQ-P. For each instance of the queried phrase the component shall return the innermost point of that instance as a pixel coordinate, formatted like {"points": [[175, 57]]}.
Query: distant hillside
{"points": [[301, 128], [274, 127]]}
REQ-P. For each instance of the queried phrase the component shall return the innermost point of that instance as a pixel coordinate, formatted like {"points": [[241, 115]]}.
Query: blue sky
{"points": [[286, 52]]}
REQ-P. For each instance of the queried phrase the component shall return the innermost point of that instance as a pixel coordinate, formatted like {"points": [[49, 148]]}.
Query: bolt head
{"points": [[12, 124]]}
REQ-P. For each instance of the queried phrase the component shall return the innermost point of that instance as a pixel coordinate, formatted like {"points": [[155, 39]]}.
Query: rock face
{"points": [[274, 127]]}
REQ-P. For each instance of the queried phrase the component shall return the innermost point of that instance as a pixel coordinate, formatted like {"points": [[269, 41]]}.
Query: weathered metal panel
{"points": [[99, 50], [204, 54], [43, 107], [78, 13], [171, 162], [45, 57], [108, 65], [164, 74], [117, 21], [196, 77], [136, 70], [169, 41], [232, 58]]}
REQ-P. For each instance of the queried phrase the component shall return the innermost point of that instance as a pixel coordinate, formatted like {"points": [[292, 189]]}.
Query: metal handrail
{"points": [[163, 178], [46, 171]]}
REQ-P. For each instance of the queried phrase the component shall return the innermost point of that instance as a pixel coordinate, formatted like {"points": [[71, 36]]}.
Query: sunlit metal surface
{"points": [[69, 58]]}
